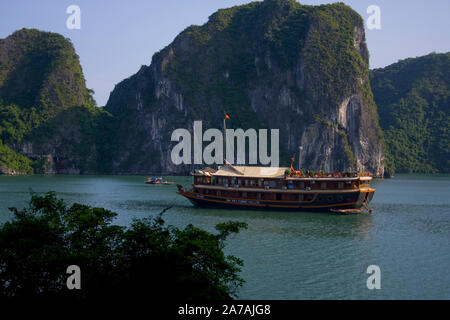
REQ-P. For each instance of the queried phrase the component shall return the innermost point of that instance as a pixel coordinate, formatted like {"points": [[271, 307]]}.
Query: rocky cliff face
{"points": [[272, 64], [48, 118]]}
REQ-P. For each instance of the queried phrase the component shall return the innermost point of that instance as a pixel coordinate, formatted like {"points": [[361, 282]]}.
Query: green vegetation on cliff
{"points": [[333, 61], [228, 46], [78, 136], [48, 118], [41, 69], [13, 162], [413, 98]]}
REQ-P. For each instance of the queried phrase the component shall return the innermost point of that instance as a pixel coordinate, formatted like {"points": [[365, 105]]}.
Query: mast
{"points": [[300, 148], [224, 139], [225, 117]]}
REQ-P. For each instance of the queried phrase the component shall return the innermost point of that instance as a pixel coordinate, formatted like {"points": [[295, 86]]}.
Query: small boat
{"points": [[156, 180]]}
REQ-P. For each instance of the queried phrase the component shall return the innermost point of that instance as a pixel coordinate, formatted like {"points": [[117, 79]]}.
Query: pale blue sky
{"points": [[117, 37]]}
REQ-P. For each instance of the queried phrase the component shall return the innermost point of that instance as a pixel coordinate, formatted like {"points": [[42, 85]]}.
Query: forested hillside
{"points": [[413, 99]]}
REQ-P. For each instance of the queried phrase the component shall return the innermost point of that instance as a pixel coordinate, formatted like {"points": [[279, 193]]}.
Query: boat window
{"points": [[244, 194], [272, 184], [279, 196], [323, 185], [341, 185], [300, 197]]}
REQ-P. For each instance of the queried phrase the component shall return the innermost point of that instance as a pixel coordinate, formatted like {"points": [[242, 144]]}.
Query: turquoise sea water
{"points": [[294, 255]]}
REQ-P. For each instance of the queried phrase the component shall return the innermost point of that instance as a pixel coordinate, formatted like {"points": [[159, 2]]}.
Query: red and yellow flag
{"points": [[227, 116]]}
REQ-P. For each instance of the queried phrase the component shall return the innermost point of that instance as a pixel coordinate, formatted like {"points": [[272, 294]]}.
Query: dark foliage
{"points": [[147, 260]]}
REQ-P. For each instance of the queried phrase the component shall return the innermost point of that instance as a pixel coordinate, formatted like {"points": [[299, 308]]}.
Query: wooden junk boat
{"points": [[280, 188]]}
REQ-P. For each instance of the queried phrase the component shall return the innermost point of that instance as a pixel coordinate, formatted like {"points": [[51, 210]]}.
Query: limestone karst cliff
{"points": [[271, 64], [48, 119]]}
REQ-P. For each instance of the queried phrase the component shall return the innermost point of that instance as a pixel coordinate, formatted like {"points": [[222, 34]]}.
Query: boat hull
{"points": [[320, 202]]}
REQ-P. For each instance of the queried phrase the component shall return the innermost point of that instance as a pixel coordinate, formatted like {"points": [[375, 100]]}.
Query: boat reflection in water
{"points": [[280, 188]]}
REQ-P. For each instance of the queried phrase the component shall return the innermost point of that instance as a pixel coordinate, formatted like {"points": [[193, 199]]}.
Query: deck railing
{"points": [[307, 185]]}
